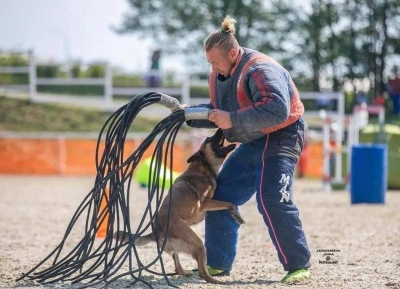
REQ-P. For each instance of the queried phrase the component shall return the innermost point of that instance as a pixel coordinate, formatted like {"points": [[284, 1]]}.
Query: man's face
{"points": [[221, 63]]}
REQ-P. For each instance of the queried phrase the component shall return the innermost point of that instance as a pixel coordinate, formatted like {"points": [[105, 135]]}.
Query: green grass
{"points": [[20, 115]]}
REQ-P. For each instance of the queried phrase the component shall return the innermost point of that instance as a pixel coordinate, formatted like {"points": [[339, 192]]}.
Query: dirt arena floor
{"points": [[35, 211]]}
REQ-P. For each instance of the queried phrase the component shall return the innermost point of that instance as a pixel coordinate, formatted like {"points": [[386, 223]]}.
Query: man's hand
{"points": [[221, 118]]}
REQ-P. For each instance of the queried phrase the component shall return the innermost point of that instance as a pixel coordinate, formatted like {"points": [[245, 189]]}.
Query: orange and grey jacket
{"points": [[260, 96]]}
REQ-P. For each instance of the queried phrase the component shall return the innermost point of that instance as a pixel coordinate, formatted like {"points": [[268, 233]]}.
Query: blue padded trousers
{"points": [[264, 167]]}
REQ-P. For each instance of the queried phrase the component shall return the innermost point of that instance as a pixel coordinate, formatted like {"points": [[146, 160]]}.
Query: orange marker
{"points": [[102, 231]]}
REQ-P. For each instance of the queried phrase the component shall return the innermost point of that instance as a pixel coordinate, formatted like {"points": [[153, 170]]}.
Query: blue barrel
{"points": [[369, 173]]}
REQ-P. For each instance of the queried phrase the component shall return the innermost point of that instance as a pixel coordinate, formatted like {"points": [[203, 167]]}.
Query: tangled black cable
{"points": [[94, 265]]}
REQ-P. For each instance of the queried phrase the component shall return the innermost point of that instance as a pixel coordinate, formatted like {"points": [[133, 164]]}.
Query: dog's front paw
{"points": [[238, 219]]}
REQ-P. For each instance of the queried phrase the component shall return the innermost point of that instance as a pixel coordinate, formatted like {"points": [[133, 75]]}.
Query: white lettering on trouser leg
{"points": [[285, 182]]}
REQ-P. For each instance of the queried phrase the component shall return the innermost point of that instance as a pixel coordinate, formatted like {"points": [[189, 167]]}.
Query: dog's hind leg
{"points": [[178, 267], [185, 240], [214, 205]]}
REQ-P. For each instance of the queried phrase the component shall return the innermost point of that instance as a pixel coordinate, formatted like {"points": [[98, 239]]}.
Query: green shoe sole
{"points": [[297, 277], [213, 272]]}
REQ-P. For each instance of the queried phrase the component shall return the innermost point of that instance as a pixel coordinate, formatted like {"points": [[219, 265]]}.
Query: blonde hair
{"points": [[224, 37]]}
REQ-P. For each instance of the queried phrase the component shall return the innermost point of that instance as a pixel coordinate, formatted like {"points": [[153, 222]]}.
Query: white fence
{"points": [[324, 117], [106, 81], [337, 116]]}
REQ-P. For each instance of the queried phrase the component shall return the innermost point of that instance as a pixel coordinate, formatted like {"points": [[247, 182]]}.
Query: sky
{"points": [[58, 30]]}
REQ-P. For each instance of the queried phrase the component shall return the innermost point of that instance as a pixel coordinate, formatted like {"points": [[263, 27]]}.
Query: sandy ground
{"points": [[34, 213]]}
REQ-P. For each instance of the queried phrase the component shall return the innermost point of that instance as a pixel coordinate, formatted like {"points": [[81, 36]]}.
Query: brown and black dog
{"points": [[191, 197]]}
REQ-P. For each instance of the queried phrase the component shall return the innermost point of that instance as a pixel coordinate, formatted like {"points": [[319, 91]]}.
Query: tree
{"points": [[50, 70], [344, 40], [13, 59], [335, 40], [76, 69], [373, 37], [180, 26], [313, 41], [386, 20], [302, 37], [95, 69], [350, 47]]}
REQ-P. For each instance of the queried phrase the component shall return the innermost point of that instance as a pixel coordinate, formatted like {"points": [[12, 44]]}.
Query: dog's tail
{"points": [[139, 240]]}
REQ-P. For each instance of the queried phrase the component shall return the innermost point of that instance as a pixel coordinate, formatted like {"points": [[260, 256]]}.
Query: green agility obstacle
{"points": [[145, 168]]}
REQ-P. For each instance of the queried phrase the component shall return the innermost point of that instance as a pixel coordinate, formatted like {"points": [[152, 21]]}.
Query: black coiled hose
{"points": [[91, 265]]}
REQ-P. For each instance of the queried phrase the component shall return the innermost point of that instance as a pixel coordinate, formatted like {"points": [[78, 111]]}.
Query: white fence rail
{"points": [[106, 81], [14, 69], [70, 81]]}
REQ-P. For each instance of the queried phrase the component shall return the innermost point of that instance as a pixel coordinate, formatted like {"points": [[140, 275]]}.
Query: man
{"points": [[394, 90], [255, 102]]}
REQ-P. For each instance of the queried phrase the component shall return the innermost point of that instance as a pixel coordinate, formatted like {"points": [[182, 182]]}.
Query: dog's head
{"points": [[213, 148]]}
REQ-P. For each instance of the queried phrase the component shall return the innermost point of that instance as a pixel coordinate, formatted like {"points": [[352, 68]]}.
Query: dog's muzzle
{"points": [[218, 144]]}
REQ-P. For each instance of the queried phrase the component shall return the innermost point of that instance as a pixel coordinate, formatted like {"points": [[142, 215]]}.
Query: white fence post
{"points": [[351, 132], [339, 137], [108, 85], [32, 76], [186, 90], [326, 169]]}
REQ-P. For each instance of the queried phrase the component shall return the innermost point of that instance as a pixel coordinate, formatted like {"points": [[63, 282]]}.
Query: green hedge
{"points": [[86, 90]]}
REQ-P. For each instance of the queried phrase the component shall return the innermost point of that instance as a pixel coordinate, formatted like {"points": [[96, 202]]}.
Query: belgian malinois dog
{"points": [[190, 197]]}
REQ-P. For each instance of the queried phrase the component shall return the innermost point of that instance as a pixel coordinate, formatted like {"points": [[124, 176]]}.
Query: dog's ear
{"points": [[197, 156]]}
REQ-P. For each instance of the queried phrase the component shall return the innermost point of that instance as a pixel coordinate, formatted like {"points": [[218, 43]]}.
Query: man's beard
{"points": [[228, 73]]}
